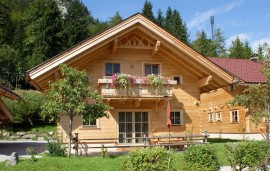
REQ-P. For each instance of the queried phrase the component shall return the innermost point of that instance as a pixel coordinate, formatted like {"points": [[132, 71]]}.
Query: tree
{"points": [[160, 18], [257, 99], [179, 29], [8, 57], [219, 41], [76, 21], [240, 50], [115, 19], [147, 11], [6, 25], [43, 31], [168, 21], [70, 96], [203, 45], [263, 51]]}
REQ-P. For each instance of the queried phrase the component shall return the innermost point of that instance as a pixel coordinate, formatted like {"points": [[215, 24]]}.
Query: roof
{"points": [[179, 53], [245, 69], [4, 91]]}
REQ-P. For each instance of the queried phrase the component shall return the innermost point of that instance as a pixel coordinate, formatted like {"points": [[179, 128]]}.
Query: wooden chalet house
{"points": [[232, 122], [5, 115], [138, 47]]}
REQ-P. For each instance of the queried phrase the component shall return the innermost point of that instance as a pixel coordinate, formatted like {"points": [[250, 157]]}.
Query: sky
{"points": [[247, 19]]}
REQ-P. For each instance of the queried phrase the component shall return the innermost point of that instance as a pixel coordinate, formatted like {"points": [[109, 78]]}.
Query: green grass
{"points": [[95, 163]]}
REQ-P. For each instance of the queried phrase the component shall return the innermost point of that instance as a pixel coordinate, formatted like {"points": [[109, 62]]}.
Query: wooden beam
{"points": [[138, 102], [156, 48], [115, 44], [204, 81]]}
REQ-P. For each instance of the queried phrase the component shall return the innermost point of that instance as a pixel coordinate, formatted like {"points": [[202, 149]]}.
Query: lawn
{"points": [[95, 163]]}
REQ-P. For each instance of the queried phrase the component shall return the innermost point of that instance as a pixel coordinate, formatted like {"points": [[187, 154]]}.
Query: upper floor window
{"points": [[151, 69], [234, 116], [112, 68], [176, 118]]}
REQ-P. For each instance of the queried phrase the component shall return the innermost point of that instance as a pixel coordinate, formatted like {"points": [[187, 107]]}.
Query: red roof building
{"points": [[244, 69]]}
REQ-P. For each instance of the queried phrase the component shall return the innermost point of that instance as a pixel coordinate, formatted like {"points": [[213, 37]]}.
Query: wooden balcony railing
{"points": [[139, 89]]}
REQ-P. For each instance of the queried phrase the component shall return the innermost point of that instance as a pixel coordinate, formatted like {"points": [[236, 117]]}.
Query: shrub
{"points": [[31, 151], [26, 109], [252, 154], [150, 159], [56, 149], [199, 158]]}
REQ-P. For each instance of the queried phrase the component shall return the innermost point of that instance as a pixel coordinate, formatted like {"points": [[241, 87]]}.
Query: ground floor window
{"points": [[218, 116], [88, 122], [234, 116], [132, 126], [211, 117], [176, 118]]}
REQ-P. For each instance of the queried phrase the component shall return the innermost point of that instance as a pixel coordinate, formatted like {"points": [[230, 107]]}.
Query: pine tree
{"points": [[115, 19], [147, 10], [6, 25], [160, 18], [168, 22], [219, 41], [240, 50], [43, 32], [76, 22], [179, 29], [203, 45]]}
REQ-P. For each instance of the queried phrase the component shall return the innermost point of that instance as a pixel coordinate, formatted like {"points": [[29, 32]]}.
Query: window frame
{"points": [[89, 123], [231, 87], [211, 117], [220, 116], [232, 117], [151, 63], [174, 119], [113, 63]]}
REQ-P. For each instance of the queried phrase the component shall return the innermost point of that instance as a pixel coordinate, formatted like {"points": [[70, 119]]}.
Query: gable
{"points": [[136, 33]]}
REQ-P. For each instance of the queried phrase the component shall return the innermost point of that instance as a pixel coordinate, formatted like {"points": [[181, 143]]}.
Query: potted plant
{"points": [[156, 81]]}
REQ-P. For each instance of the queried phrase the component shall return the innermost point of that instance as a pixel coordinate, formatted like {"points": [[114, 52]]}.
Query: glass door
{"points": [[132, 125], [141, 126], [125, 127]]}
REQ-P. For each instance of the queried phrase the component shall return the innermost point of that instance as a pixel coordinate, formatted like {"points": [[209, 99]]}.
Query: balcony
{"points": [[138, 89]]}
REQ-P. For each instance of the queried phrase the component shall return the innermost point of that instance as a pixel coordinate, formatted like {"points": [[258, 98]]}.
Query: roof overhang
{"points": [[209, 75]]}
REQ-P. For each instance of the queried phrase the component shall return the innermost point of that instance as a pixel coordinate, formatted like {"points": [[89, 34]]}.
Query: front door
{"points": [[132, 126]]}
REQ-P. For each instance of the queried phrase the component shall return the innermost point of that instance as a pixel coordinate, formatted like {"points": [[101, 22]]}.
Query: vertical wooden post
{"points": [[205, 136], [76, 143]]}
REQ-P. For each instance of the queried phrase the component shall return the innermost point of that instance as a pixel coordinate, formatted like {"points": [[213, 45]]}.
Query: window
{"points": [[176, 118], [211, 117], [231, 87], [218, 116], [234, 116], [88, 122], [151, 69], [178, 79], [112, 68]]}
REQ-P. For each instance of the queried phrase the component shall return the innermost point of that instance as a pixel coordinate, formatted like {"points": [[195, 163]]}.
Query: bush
{"points": [[200, 158], [252, 154], [56, 149], [27, 109], [150, 159]]}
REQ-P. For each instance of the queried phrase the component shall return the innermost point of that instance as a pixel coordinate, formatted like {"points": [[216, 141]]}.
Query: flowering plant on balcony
{"points": [[123, 80], [155, 80]]}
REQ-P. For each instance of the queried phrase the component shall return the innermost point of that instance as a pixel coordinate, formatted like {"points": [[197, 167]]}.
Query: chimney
{"points": [[254, 57]]}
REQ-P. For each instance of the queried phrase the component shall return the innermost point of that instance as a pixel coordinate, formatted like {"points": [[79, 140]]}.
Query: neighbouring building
{"points": [[5, 115], [193, 84]]}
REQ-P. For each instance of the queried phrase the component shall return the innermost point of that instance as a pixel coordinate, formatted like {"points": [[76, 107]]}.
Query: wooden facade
{"points": [[133, 46]]}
